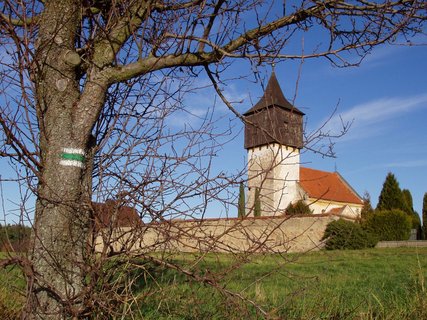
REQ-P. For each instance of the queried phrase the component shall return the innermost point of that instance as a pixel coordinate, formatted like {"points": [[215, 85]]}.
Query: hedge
{"points": [[389, 225], [344, 234]]}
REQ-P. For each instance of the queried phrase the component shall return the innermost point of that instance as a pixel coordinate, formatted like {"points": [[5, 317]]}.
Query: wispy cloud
{"points": [[372, 118], [204, 101], [407, 164], [381, 54]]}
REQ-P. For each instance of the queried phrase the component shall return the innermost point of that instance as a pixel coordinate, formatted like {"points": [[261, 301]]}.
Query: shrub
{"points": [[257, 204], [242, 202], [344, 234], [424, 214], [298, 208], [14, 238], [389, 225]]}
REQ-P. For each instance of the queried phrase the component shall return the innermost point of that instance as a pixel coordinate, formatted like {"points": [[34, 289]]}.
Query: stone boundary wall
{"points": [[264, 234], [397, 244]]}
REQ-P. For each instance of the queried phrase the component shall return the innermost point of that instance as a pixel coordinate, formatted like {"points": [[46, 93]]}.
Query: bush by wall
{"points": [[389, 225], [298, 208], [344, 234]]}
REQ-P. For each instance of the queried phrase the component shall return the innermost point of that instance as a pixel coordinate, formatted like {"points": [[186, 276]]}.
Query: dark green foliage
{"points": [[415, 220], [241, 205], [344, 234], [257, 203], [14, 237], [367, 209], [298, 208], [407, 198], [389, 225], [420, 233], [409, 209], [391, 196], [424, 215]]}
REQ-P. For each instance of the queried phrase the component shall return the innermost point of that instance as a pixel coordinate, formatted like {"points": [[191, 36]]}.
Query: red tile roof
{"points": [[327, 186], [336, 211]]}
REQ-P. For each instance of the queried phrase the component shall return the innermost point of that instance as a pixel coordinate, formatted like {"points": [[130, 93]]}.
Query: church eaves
{"points": [[273, 96]]}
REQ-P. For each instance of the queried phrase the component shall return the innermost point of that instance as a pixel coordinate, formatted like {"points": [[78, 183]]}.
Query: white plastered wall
{"points": [[275, 170], [324, 206]]}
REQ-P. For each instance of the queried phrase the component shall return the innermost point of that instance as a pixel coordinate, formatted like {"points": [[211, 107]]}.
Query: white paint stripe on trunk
{"points": [[74, 150], [71, 163]]}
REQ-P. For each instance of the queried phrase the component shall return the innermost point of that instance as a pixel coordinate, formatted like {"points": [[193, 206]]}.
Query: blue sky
{"points": [[385, 98]]}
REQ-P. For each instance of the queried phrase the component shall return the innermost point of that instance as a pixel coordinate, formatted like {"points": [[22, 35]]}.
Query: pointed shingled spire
{"points": [[273, 120], [273, 96]]}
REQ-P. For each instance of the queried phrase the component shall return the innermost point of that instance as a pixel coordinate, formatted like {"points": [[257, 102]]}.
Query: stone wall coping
{"points": [[407, 243], [278, 217]]}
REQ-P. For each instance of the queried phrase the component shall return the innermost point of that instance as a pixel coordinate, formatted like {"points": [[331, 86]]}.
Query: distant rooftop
{"points": [[124, 216]]}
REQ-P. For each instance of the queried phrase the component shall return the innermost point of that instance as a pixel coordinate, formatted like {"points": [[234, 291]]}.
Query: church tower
{"points": [[273, 139]]}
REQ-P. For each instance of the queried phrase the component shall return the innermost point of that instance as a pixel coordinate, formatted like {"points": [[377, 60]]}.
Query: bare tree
{"points": [[88, 88]]}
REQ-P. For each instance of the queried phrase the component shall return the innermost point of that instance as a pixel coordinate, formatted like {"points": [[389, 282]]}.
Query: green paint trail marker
{"points": [[71, 157]]}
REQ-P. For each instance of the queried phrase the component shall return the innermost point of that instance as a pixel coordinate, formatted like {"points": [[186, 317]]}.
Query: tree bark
{"points": [[63, 212]]}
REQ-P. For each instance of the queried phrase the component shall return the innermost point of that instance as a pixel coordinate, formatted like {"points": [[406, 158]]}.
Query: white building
{"points": [[273, 139]]}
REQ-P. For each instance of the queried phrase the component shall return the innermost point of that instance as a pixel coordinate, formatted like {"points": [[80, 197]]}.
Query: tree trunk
{"points": [[60, 241], [63, 211], [62, 220]]}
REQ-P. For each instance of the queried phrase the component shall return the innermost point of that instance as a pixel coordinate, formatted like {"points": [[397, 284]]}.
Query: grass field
{"points": [[12, 288], [365, 284]]}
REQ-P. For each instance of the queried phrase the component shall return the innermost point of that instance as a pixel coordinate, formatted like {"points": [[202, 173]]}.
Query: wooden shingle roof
{"points": [[327, 186], [273, 96]]}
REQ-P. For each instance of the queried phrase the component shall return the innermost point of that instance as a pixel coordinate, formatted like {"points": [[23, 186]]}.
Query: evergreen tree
{"points": [[257, 204], [425, 216], [416, 220], [367, 209], [418, 225], [241, 208], [409, 209], [391, 196], [408, 203]]}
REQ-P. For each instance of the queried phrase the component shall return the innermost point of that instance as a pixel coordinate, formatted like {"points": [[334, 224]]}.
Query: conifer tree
{"points": [[408, 203], [241, 208], [425, 216], [257, 204], [409, 209], [367, 209], [391, 196]]}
